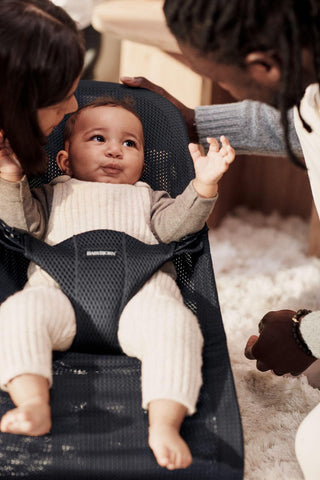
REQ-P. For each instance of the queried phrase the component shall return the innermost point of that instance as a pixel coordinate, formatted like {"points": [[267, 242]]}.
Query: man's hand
{"points": [[275, 348], [187, 113]]}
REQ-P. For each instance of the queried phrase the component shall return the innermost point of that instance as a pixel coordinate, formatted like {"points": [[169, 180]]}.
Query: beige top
{"points": [[168, 219], [310, 143]]}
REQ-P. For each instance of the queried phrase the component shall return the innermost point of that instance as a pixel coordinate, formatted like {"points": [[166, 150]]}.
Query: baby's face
{"points": [[107, 146]]}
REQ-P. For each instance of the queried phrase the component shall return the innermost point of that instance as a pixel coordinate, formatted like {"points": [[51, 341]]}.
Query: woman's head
{"points": [[41, 58]]}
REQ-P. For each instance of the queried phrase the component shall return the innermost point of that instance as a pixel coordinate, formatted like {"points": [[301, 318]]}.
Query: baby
{"points": [[102, 162]]}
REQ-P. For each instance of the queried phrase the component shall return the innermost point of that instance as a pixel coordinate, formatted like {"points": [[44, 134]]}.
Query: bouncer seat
{"points": [[99, 430]]}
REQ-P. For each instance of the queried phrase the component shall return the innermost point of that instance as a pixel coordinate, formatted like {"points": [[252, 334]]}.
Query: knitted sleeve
{"points": [[310, 331], [25, 209], [251, 127], [173, 218]]}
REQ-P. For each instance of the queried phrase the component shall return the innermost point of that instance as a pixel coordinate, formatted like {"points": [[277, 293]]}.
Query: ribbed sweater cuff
{"points": [[310, 331]]}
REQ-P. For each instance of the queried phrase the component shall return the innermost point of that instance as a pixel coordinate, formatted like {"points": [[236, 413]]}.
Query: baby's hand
{"points": [[209, 169], [10, 167]]}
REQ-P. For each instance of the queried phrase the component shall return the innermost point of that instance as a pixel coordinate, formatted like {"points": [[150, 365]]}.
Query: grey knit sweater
{"points": [[251, 127]]}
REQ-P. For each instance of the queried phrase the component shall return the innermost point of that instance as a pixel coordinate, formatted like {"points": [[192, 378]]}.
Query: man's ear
{"points": [[264, 68], [63, 162]]}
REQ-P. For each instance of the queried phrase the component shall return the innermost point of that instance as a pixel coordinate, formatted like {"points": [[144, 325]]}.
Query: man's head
{"points": [[267, 50], [104, 142], [261, 44]]}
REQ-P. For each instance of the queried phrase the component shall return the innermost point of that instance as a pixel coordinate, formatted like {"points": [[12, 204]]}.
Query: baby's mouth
{"points": [[111, 169]]}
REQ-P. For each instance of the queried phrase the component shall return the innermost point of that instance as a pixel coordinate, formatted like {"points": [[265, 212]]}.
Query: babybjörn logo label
{"points": [[101, 253]]}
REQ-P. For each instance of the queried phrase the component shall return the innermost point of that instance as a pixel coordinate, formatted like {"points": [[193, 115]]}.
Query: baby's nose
{"points": [[113, 149]]}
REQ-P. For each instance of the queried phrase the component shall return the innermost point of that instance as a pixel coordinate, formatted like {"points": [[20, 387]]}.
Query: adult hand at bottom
{"points": [[276, 348], [187, 113]]}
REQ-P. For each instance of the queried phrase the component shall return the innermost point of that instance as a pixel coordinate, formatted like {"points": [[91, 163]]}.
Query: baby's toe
{"points": [[185, 459]]}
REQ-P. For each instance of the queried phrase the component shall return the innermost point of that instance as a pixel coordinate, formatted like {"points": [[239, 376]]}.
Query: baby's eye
{"points": [[129, 143], [97, 138]]}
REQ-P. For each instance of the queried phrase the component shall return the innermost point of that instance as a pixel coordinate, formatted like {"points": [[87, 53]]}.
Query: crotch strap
{"points": [[99, 271]]}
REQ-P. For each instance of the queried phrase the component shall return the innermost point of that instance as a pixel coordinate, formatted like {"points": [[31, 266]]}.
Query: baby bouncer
{"points": [[99, 428]]}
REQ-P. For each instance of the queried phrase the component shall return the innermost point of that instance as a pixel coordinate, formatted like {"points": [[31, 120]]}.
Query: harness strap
{"points": [[99, 271], [11, 238]]}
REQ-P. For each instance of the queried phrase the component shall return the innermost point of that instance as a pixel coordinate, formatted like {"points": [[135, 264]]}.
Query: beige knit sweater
{"points": [[165, 219], [155, 326], [67, 207]]}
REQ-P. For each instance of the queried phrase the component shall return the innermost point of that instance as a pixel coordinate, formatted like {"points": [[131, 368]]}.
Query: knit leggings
{"points": [[155, 327]]}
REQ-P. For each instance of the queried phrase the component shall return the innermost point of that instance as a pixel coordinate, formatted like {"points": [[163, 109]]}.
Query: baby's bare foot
{"points": [[30, 419], [169, 448]]}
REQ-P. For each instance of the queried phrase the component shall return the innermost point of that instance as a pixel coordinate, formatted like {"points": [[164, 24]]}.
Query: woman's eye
{"points": [[98, 138], [129, 143]]}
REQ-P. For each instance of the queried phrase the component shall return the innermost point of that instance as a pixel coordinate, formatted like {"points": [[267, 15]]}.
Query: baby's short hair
{"points": [[105, 101]]}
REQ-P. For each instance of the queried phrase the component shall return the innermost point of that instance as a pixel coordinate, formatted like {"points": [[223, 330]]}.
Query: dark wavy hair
{"points": [[41, 55], [230, 29]]}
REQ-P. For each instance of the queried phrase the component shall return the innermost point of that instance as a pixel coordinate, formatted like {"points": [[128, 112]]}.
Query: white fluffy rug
{"points": [[260, 264]]}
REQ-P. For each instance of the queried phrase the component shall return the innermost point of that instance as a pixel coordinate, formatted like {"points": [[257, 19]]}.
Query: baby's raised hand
{"points": [[10, 167], [209, 169]]}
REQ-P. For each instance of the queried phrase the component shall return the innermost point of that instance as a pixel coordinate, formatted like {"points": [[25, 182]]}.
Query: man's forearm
{"points": [[251, 127]]}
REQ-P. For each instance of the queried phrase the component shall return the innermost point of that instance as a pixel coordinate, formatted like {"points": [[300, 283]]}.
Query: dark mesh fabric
{"points": [[100, 271], [99, 429], [12, 272]]}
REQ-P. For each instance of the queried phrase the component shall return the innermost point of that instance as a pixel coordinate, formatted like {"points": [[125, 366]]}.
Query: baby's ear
{"points": [[63, 162]]}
